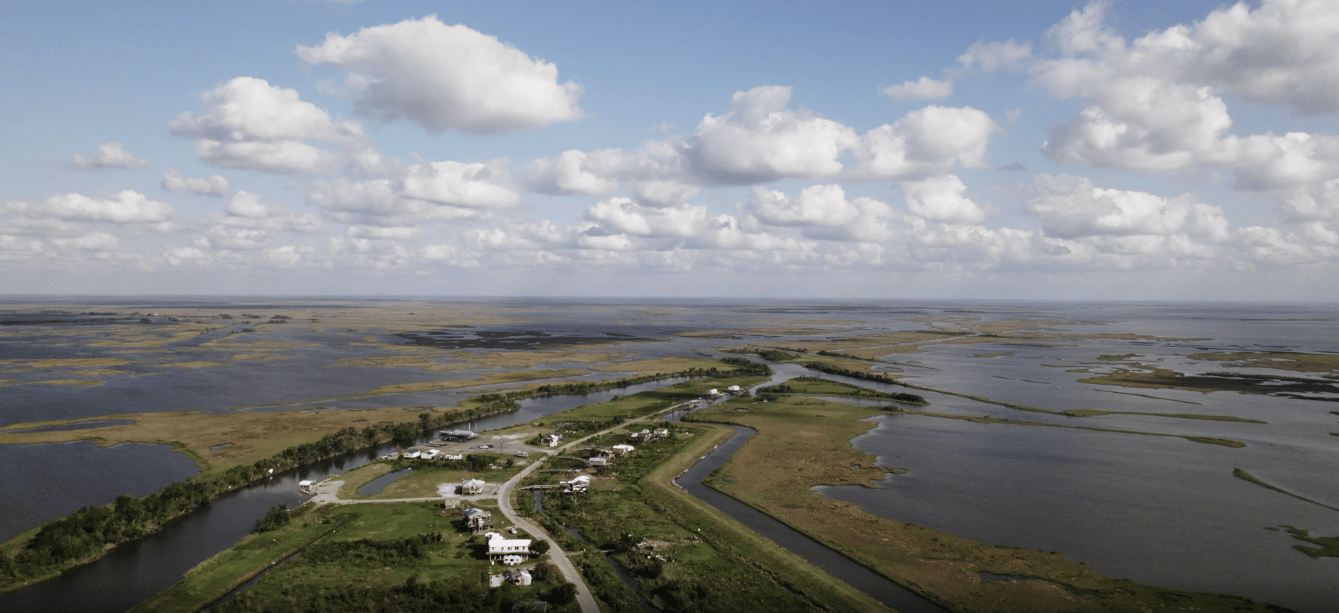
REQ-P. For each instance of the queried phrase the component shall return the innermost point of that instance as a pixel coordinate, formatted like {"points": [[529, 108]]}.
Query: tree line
{"points": [[84, 535]]}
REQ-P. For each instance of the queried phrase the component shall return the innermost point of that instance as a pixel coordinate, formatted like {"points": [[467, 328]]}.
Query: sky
{"points": [[1122, 150]]}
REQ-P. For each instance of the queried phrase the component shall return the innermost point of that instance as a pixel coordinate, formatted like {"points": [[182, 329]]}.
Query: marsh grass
{"points": [[254, 436], [796, 449]]}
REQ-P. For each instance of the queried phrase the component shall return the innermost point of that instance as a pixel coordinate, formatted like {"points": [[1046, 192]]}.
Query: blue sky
{"points": [[1117, 150]]}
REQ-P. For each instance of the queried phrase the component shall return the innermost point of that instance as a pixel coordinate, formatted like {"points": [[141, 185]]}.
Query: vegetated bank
{"points": [[803, 442], [87, 534]]}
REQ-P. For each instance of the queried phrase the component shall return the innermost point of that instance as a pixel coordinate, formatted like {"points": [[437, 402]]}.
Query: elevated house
{"points": [[478, 521], [577, 485], [472, 487], [622, 450], [507, 551]]}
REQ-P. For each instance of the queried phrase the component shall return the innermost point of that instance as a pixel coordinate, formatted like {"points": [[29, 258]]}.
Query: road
{"points": [[327, 492]]}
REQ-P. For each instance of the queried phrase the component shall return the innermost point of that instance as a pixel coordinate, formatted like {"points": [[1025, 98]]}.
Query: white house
{"points": [[411, 454], [472, 487], [551, 440], [508, 551], [430, 454], [732, 388], [577, 485], [714, 392], [597, 461], [622, 449]]}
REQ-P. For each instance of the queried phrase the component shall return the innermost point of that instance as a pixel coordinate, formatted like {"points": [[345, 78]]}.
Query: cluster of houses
{"points": [[431, 454]]}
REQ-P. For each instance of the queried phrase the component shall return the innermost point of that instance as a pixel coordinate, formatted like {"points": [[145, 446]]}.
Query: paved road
{"points": [[327, 492]]}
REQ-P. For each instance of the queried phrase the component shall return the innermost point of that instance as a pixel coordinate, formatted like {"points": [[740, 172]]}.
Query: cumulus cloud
{"points": [[1071, 207], [1154, 103], [213, 185], [474, 185], [575, 172], [823, 211], [109, 155], [759, 140], [249, 123], [941, 199], [925, 142], [446, 77], [127, 206], [923, 88], [382, 202]]}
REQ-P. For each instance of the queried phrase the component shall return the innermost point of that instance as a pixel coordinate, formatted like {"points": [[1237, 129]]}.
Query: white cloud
{"points": [[249, 123], [664, 192], [94, 241], [822, 211], [213, 185], [923, 88], [1071, 207], [467, 185], [1154, 103], [446, 77], [382, 202], [127, 206], [925, 142], [574, 172], [941, 199], [109, 155], [993, 56], [247, 204], [759, 140], [623, 216]]}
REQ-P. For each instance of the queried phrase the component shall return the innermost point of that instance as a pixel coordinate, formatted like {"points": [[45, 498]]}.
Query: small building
{"points": [[411, 454], [597, 461], [478, 521], [622, 450], [639, 436], [307, 487], [454, 456], [430, 454], [577, 485], [507, 551], [472, 487], [550, 440], [659, 433], [517, 576], [732, 388], [458, 436], [714, 392]]}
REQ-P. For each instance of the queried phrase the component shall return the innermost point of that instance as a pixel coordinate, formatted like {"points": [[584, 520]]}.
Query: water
{"points": [[374, 487], [875, 585], [1154, 508], [139, 569], [60, 478]]}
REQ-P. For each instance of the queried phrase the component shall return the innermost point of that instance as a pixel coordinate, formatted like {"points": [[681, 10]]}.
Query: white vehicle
{"points": [[522, 454]]}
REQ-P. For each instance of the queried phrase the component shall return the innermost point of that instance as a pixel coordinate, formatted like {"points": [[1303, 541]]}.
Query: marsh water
{"points": [[1141, 504]]}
